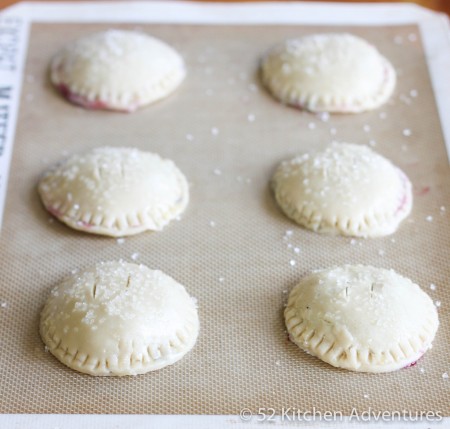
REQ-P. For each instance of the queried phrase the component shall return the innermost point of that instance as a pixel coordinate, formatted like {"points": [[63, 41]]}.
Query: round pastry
{"points": [[115, 191], [116, 70], [328, 72], [345, 189], [120, 319], [361, 318]]}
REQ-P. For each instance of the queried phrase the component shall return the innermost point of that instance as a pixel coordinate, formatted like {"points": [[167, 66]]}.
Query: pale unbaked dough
{"points": [[120, 319], [361, 318], [328, 72], [116, 70], [115, 191], [345, 189]]}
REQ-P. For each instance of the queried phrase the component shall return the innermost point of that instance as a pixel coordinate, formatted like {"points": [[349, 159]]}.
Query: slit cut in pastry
{"points": [[118, 318], [115, 191], [361, 318], [116, 70], [328, 72], [345, 189]]}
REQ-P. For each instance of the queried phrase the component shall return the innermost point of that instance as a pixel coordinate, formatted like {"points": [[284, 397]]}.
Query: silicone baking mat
{"points": [[233, 249]]}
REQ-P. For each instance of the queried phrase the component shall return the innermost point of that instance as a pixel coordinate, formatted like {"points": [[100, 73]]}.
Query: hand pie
{"points": [[345, 189], [117, 318], [361, 318], [115, 191], [116, 70], [328, 72]]}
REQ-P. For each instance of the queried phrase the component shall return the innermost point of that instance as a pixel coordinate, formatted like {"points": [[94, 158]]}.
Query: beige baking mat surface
{"points": [[230, 248]]}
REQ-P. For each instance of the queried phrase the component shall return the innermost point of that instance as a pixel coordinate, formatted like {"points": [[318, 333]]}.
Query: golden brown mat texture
{"points": [[228, 249]]}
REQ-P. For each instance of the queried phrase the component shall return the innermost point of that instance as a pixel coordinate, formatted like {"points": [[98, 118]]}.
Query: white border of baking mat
{"points": [[14, 27]]}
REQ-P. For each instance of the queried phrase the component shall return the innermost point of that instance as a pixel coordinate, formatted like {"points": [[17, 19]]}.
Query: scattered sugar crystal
{"points": [[413, 93], [432, 286], [135, 256], [189, 137], [3, 304], [217, 171], [398, 40], [366, 396], [438, 303], [289, 246], [251, 117], [76, 206], [407, 132], [286, 68], [442, 209], [422, 370], [297, 250], [393, 240], [292, 262], [312, 126], [445, 375], [412, 37], [248, 180], [221, 279], [214, 131], [252, 87], [381, 252], [382, 115], [212, 223], [120, 240], [366, 128], [277, 363], [324, 116], [285, 291], [429, 218], [352, 241], [372, 143], [289, 232]]}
